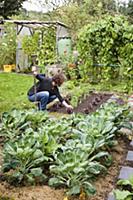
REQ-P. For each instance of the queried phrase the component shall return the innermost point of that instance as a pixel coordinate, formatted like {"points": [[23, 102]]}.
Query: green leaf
{"points": [[55, 182], [108, 128], [18, 175], [30, 178], [99, 155], [74, 190], [36, 171], [89, 188], [45, 138], [95, 167], [123, 182], [38, 153], [40, 160], [78, 170], [121, 195], [52, 146]]}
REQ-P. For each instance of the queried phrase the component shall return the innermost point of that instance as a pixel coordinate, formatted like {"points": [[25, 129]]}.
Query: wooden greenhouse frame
{"points": [[25, 27]]}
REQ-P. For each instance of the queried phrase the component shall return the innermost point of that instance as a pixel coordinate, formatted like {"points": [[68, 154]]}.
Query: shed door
{"points": [[64, 46]]}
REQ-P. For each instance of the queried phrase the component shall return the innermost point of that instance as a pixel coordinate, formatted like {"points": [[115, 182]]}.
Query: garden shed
{"points": [[24, 27]]}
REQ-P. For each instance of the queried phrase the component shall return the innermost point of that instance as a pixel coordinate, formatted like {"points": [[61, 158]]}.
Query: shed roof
{"points": [[35, 24]]}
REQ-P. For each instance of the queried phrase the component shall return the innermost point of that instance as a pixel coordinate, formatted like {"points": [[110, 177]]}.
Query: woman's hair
{"points": [[59, 78]]}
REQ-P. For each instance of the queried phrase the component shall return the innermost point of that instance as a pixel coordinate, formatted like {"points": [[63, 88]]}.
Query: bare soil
{"points": [[104, 184], [87, 105]]}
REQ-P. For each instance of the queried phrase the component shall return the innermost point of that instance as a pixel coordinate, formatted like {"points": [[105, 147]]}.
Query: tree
{"points": [[10, 7], [130, 10], [77, 14], [127, 9], [100, 7]]}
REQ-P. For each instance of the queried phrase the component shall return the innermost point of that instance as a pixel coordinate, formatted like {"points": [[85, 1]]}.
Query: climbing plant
{"points": [[30, 43], [106, 47], [43, 44], [8, 45], [47, 47]]}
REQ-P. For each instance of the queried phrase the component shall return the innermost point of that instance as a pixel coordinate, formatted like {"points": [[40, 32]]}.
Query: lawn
{"points": [[13, 91], [14, 87]]}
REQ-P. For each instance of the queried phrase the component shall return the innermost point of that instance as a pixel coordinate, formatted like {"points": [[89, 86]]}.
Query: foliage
{"points": [[30, 148], [68, 14], [126, 58], [47, 48], [42, 44], [125, 191], [105, 47], [78, 13], [13, 125], [130, 10], [70, 66], [69, 151], [8, 45], [127, 9], [3, 197], [98, 8], [24, 160], [17, 122], [10, 7], [73, 168], [30, 44]]}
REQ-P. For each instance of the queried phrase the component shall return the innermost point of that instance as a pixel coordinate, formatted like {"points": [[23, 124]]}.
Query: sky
{"points": [[34, 5]]}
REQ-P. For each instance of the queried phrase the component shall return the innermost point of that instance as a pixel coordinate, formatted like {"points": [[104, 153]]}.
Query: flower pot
{"points": [[9, 68], [71, 65]]}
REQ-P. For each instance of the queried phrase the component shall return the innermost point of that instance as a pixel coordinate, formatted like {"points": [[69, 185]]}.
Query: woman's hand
{"points": [[69, 109], [34, 70]]}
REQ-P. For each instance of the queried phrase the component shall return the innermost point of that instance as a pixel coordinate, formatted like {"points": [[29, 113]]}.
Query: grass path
{"points": [[13, 91]]}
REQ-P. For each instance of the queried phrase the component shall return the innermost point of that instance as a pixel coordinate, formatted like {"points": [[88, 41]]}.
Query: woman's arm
{"points": [[67, 105], [38, 76]]}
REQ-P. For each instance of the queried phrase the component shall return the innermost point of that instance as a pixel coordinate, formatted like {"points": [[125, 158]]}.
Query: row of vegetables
{"points": [[69, 151]]}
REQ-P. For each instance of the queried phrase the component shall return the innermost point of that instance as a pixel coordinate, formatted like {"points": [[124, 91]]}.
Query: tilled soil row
{"points": [[87, 105]]}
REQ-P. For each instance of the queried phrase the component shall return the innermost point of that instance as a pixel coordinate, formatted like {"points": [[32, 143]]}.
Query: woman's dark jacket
{"points": [[45, 84]]}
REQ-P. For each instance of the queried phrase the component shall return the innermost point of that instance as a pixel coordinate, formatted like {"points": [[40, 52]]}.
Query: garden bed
{"points": [[88, 104], [105, 182]]}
